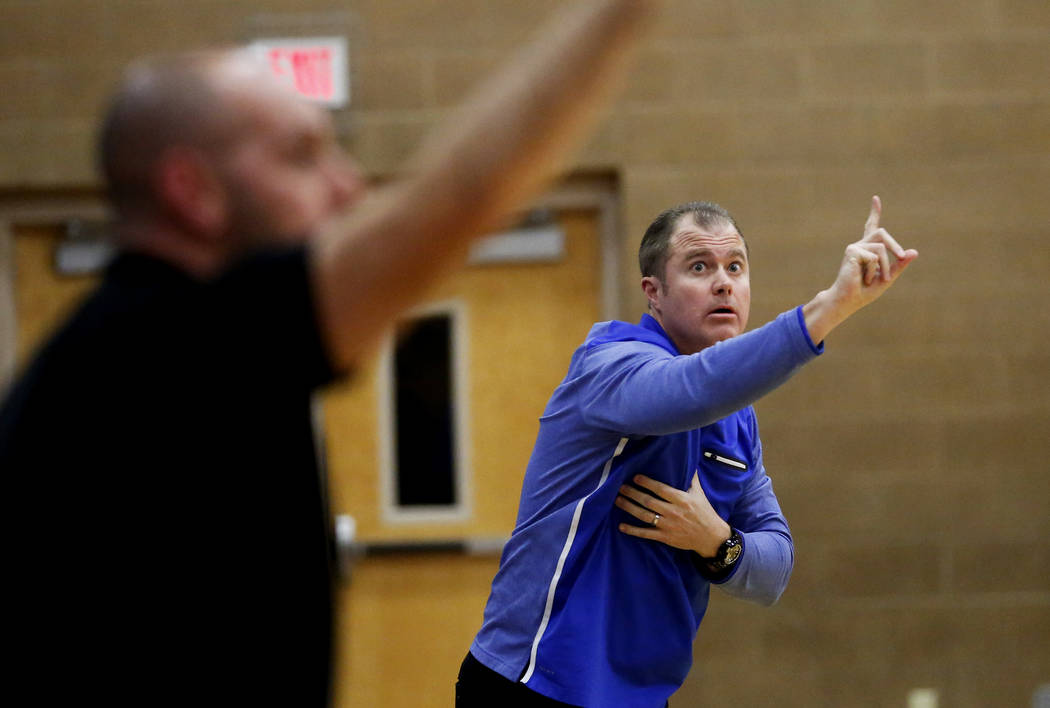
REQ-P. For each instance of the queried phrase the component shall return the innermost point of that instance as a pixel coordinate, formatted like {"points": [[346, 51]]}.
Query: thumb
{"points": [[695, 487], [700, 500]]}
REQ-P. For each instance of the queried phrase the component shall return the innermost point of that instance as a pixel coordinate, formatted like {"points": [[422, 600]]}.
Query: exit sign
{"points": [[315, 67]]}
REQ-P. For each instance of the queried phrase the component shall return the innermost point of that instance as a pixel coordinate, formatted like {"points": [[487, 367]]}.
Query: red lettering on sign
{"points": [[309, 70]]}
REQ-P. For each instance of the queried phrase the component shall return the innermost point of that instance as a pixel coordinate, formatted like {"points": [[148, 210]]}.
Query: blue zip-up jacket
{"points": [[586, 614]]}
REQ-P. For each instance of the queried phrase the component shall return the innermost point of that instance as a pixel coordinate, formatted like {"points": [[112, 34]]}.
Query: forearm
{"points": [[484, 163], [762, 573], [529, 115], [685, 519], [823, 314]]}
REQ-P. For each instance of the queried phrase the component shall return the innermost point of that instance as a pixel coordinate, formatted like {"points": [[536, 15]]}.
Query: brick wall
{"points": [[912, 460]]}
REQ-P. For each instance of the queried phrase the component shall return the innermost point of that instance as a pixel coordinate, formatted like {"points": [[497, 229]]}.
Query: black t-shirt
{"points": [[168, 536]]}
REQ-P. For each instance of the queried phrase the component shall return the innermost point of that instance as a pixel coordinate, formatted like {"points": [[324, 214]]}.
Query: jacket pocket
{"points": [[726, 461]]}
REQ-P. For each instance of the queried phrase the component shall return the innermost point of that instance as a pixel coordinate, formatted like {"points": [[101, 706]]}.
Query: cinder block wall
{"points": [[912, 459]]}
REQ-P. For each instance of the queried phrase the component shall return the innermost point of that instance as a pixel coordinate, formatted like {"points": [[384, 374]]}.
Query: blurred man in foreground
{"points": [[170, 542]]}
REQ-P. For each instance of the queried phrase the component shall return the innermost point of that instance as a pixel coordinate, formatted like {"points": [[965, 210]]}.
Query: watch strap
{"points": [[728, 553]]}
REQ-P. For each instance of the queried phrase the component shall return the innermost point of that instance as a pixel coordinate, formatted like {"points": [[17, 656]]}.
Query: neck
{"points": [[682, 347], [199, 257]]}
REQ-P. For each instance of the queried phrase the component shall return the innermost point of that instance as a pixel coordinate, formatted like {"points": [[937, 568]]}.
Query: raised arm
{"points": [[485, 162], [632, 388]]}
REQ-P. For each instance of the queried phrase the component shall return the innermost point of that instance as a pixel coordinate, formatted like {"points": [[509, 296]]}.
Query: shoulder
{"points": [[615, 339], [291, 262], [617, 357], [617, 332]]}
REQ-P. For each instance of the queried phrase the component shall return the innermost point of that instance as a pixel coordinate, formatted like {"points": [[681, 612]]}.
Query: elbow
{"points": [[777, 588], [772, 597], [769, 596], [768, 591]]}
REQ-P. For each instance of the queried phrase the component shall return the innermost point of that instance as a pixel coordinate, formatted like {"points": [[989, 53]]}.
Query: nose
{"points": [[722, 284], [345, 179]]}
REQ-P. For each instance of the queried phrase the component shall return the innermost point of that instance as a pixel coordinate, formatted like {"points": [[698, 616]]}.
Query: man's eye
{"points": [[304, 153], [698, 267], [735, 267]]}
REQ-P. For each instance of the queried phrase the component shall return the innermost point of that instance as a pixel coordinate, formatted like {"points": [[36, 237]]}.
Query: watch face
{"points": [[732, 553]]}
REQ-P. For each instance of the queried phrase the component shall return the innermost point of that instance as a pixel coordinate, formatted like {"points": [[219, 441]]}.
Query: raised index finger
{"points": [[872, 224]]}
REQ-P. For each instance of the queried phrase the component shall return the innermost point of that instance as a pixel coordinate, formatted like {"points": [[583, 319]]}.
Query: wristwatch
{"points": [[728, 553]]}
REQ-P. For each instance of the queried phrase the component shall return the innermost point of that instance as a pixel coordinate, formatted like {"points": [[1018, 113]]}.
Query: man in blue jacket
{"points": [[653, 424]]}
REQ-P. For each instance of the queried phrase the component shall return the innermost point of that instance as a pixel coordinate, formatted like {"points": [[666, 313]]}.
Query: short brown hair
{"points": [[652, 254]]}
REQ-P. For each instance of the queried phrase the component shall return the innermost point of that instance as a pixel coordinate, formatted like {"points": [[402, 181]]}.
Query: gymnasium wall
{"points": [[912, 460]]}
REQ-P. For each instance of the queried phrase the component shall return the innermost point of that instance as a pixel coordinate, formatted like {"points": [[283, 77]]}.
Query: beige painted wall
{"points": [[912, 459]]}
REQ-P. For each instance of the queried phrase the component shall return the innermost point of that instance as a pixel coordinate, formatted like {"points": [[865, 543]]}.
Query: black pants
{"points": [[479, 686]]}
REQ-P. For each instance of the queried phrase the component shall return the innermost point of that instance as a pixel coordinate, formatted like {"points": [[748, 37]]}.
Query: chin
{"points": [[720, 336]]}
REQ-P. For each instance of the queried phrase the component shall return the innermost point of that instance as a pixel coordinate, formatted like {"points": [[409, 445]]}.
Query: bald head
{"points": [[208, 156], [175, 100]]}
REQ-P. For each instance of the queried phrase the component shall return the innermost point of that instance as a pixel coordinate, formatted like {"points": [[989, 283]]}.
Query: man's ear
{"points": [[651, 288], [190, 192]]}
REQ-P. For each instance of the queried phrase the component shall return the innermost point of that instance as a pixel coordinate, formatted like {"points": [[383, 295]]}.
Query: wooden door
{"points": [[407, 619]]}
